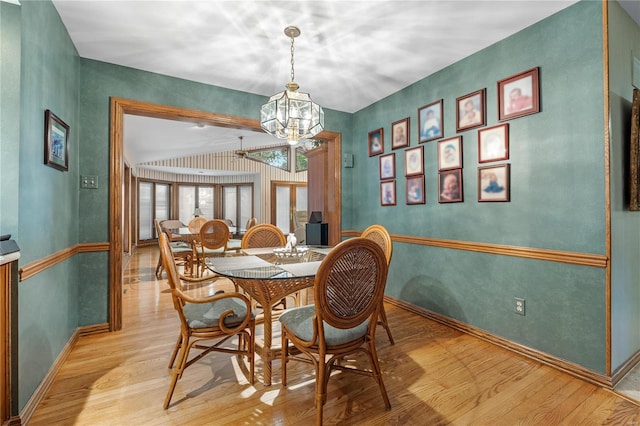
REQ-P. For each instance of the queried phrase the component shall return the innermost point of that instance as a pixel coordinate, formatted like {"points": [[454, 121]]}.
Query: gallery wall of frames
{"points": [[517, 96]]}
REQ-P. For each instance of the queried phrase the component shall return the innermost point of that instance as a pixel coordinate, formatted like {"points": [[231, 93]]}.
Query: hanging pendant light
{"points": [[290, 114]]}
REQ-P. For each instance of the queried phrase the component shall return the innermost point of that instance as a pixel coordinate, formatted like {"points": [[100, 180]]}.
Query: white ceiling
{"points": [[350, 53]]}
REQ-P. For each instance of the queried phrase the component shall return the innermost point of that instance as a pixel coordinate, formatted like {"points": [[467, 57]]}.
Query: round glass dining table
{"points": [[267, 275]]}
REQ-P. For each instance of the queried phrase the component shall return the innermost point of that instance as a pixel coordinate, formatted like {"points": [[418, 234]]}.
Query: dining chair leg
{"points": [[377, 372], [385, 324], [252, 353], [321, 389], [284, 357], [159, 267], [176, 373], [175, 351]]}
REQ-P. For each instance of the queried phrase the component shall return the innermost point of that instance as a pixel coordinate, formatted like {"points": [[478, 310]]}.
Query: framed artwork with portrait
{"points": [[376, 142], [56, 142], [493, 143], [414, 161], [519, 95], [415, 190], [387, 166], [400, 133], [430, 120], [450, 186], [470, 110], [450, 153], [388, 193], [493, 183]]}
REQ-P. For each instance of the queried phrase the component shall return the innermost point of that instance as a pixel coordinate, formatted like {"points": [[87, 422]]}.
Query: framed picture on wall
{"points": [[414, 161], [430, 121], [493, 183], [450, 186], [470, 111], [400, 133], [376, 142], [415, 190], [56, 142], [387, 166], [388, 193], [634, 154], [493, 143], [450, 153], [519, 95]]}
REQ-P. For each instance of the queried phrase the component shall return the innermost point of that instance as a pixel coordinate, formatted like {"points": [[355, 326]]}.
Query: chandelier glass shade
{"points": [[292, 115]]}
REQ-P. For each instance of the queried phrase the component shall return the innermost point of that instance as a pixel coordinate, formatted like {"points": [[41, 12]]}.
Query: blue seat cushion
{"points": [[210, 252], [299, 321], [204, 315], [179, 244], [182, 250]]}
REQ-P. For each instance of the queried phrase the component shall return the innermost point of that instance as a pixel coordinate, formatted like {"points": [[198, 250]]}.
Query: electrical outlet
{"points": [[519, 306]]}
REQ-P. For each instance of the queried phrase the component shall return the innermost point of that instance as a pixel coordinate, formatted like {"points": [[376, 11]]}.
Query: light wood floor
{"points": [[434, 376]]}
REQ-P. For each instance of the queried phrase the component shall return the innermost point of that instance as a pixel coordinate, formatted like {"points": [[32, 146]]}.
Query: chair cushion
{"points": [[211, 252], [203, 315], [179, 244], [181, 250], [299, 321]]}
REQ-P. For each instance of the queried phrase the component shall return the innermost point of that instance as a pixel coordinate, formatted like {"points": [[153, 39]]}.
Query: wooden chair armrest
{"points": [[213, 298]]}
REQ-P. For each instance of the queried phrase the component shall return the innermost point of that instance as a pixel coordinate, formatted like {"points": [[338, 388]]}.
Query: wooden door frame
{"points": [[118, 108]]}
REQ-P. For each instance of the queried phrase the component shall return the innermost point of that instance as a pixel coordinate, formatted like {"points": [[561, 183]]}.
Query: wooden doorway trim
{"points": [[120, 107]]}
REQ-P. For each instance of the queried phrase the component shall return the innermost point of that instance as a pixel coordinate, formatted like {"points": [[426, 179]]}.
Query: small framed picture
{"points": [[470, 111], [414, 161], [388, 166], [450, 186], [400, 133], [493, 143], [388, 193], [519, 95], [56, 142], [493, 183], [415, 190], [430, 121], [450, 153], [376, 142]]}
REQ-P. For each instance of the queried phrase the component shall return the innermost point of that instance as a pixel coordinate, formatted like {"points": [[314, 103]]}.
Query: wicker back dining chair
{"points": [[348, 290], [252, 221], [263, 235], [181, 251], [214, 236], [266, 235], [380, 236], [196, 223], [216, 319]]}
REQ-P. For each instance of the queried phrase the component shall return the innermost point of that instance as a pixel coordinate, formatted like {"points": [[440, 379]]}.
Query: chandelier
{"points": [[290, 114]]}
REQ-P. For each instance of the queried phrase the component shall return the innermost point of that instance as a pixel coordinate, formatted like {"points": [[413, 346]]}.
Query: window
{"points": [[154, 202], [276, 157], [237, 203], [190, 197]]}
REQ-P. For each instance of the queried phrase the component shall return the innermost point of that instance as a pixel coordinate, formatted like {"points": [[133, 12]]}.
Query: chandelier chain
{"points": [[292, 73]]}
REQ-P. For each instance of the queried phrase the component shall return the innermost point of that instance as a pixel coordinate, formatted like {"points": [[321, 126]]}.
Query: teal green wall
{"points": [[624, 44], [48, 198], [9, 116], [557, 200]]}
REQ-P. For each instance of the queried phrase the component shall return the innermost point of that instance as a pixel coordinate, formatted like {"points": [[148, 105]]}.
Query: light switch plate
{"points": [[90, 182], [347, 160]]}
